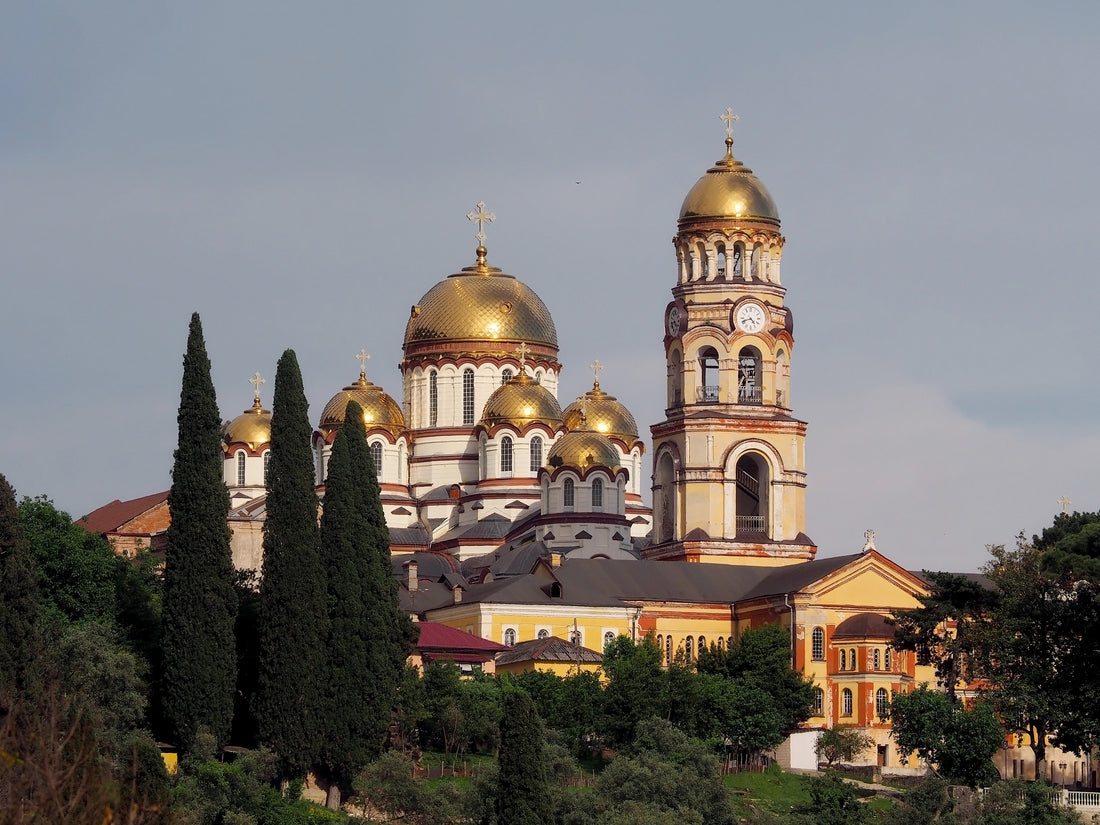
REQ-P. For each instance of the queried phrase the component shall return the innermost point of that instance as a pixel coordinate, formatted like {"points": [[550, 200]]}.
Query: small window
{"points": [[575, 637], [506, 454], [688, 648], [468, 396], [661, 645], [608, 638], [376, 457], [721, 644], [843, 660], [847, 699], [881, 703], [818, 644], [852, 658], [543, 633], [568, 492], [505, 376], [240, 468], [888, 658], [510, 637], [668, 650], [597, 493], [536, 453], [538, 377], [875, 660], [819, 702], [702, 643], [433, 398]]}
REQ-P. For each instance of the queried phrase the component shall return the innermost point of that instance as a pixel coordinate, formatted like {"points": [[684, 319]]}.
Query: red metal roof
{"points": [[112, 516], [439, 637]]}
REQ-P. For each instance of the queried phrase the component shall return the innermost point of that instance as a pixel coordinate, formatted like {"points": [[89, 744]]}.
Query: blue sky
{"points": [[300, 175]]}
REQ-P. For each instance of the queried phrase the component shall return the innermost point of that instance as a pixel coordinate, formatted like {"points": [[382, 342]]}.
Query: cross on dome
{"points": [[596, 368], [362, 357], [256, 381], [521, 353], [482, 217], [1065, 502], [730, 118]]}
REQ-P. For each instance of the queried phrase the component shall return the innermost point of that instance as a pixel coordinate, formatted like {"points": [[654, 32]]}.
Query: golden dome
{"points": [[252, 427], [605, 414], [583, 448], [379, 410], [729, 189], [520, 401], [480, 306]]}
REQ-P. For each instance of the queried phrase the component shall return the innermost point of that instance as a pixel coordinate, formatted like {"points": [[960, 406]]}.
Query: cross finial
{"points": [[869, 540], [1065, 502], [584, 410], [521, 353], [730, 118], [596, 368], [482, 217], [362, 357], [256, 381]]}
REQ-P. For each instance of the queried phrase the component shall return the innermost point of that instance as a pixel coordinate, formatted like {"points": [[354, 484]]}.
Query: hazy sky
{"points": [[300, 175]]}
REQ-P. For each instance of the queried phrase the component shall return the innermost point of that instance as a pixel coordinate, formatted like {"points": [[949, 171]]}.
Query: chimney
{"points": [[414, 580], [555, 558], [457, 594]]}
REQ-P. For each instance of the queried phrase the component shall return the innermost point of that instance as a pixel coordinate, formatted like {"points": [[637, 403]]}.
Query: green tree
{"points": [[523, 794], [842, 743], [200, 603], [636, 689], [835, 802], [18, 595], [293, 622], [958, 742]]}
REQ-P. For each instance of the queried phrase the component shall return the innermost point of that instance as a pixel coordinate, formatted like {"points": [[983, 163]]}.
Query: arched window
{"points": [[661, 646], [506, 454], [708, 362], [376, 457], [738, 257], [433, 398], [575, 637], [702, 643], [749, 389], [267, 466], [852, 658], [843, 660], [888, 657], [880, 703], [538, 376], [240, 468], [510, 637], [875, 660], [687, 648], [597, 493], [818, 647], [468, 396], [721, 644], [729, 642], [668, 650], [608, 638], [536, 453], [543, 633], [505, 376], [819, 702], [752, 477], [847, 700], [568, 492]]}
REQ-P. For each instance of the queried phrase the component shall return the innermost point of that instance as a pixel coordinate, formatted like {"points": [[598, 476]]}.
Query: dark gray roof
{"points": [[550, 649], [794, 577], [493, 527], [409, 536]]}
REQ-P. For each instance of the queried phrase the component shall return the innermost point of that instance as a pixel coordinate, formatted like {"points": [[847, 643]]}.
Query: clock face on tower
{"points": [[750, 318], [674, 321]]}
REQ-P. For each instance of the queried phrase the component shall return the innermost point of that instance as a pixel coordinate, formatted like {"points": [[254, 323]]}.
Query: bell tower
{"points": [[729, 479]]}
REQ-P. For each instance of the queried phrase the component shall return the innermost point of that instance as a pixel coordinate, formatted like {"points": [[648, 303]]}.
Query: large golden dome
{"points": [[729, 190], [379, 410], [605, 414], [582, 449], [520, 401], [480, 309], [252, 427]]}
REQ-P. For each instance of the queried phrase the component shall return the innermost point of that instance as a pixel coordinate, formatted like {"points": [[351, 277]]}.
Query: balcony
{"points": [[752, 524], [750, 394]]}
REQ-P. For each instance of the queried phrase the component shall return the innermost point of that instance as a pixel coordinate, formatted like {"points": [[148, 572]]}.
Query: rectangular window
{"points": [[467, 396]]}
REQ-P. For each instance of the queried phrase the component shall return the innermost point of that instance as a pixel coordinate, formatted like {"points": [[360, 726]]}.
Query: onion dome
{"points": [[605, 413], [583, 448], [521, 401], [252, 427], [480, 309], [729, 191], [379, 409]]}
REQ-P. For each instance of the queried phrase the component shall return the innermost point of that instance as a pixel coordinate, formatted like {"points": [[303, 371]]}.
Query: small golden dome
{"points": [[252, 427], [379, 410], [605, 414], [520, 401], [729, 190], [480, 305], [583, 448]]}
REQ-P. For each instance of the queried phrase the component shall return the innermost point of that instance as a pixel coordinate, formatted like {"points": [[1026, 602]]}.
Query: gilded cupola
{"points": [[379, 409], [582, 449], [521, 401], [253, 426], [605, 414], [728, 191]]}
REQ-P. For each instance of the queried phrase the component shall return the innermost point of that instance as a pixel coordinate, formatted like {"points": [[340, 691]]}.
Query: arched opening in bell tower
{"points": [[752, 494], [664, 499], [708, 370], [749, 389]]}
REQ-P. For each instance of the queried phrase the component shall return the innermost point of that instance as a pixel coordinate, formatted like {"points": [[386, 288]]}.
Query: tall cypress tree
{"points": [[293, 626], [200, 604], [364, 666], [18, 596], [523, 791]]}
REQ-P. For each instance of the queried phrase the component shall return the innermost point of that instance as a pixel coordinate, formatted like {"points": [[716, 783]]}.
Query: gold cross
{"points": [[256, 381], [1065, 502], [362, 358], [730, 118], [596, 368], [521, 351], [482, 217]]}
